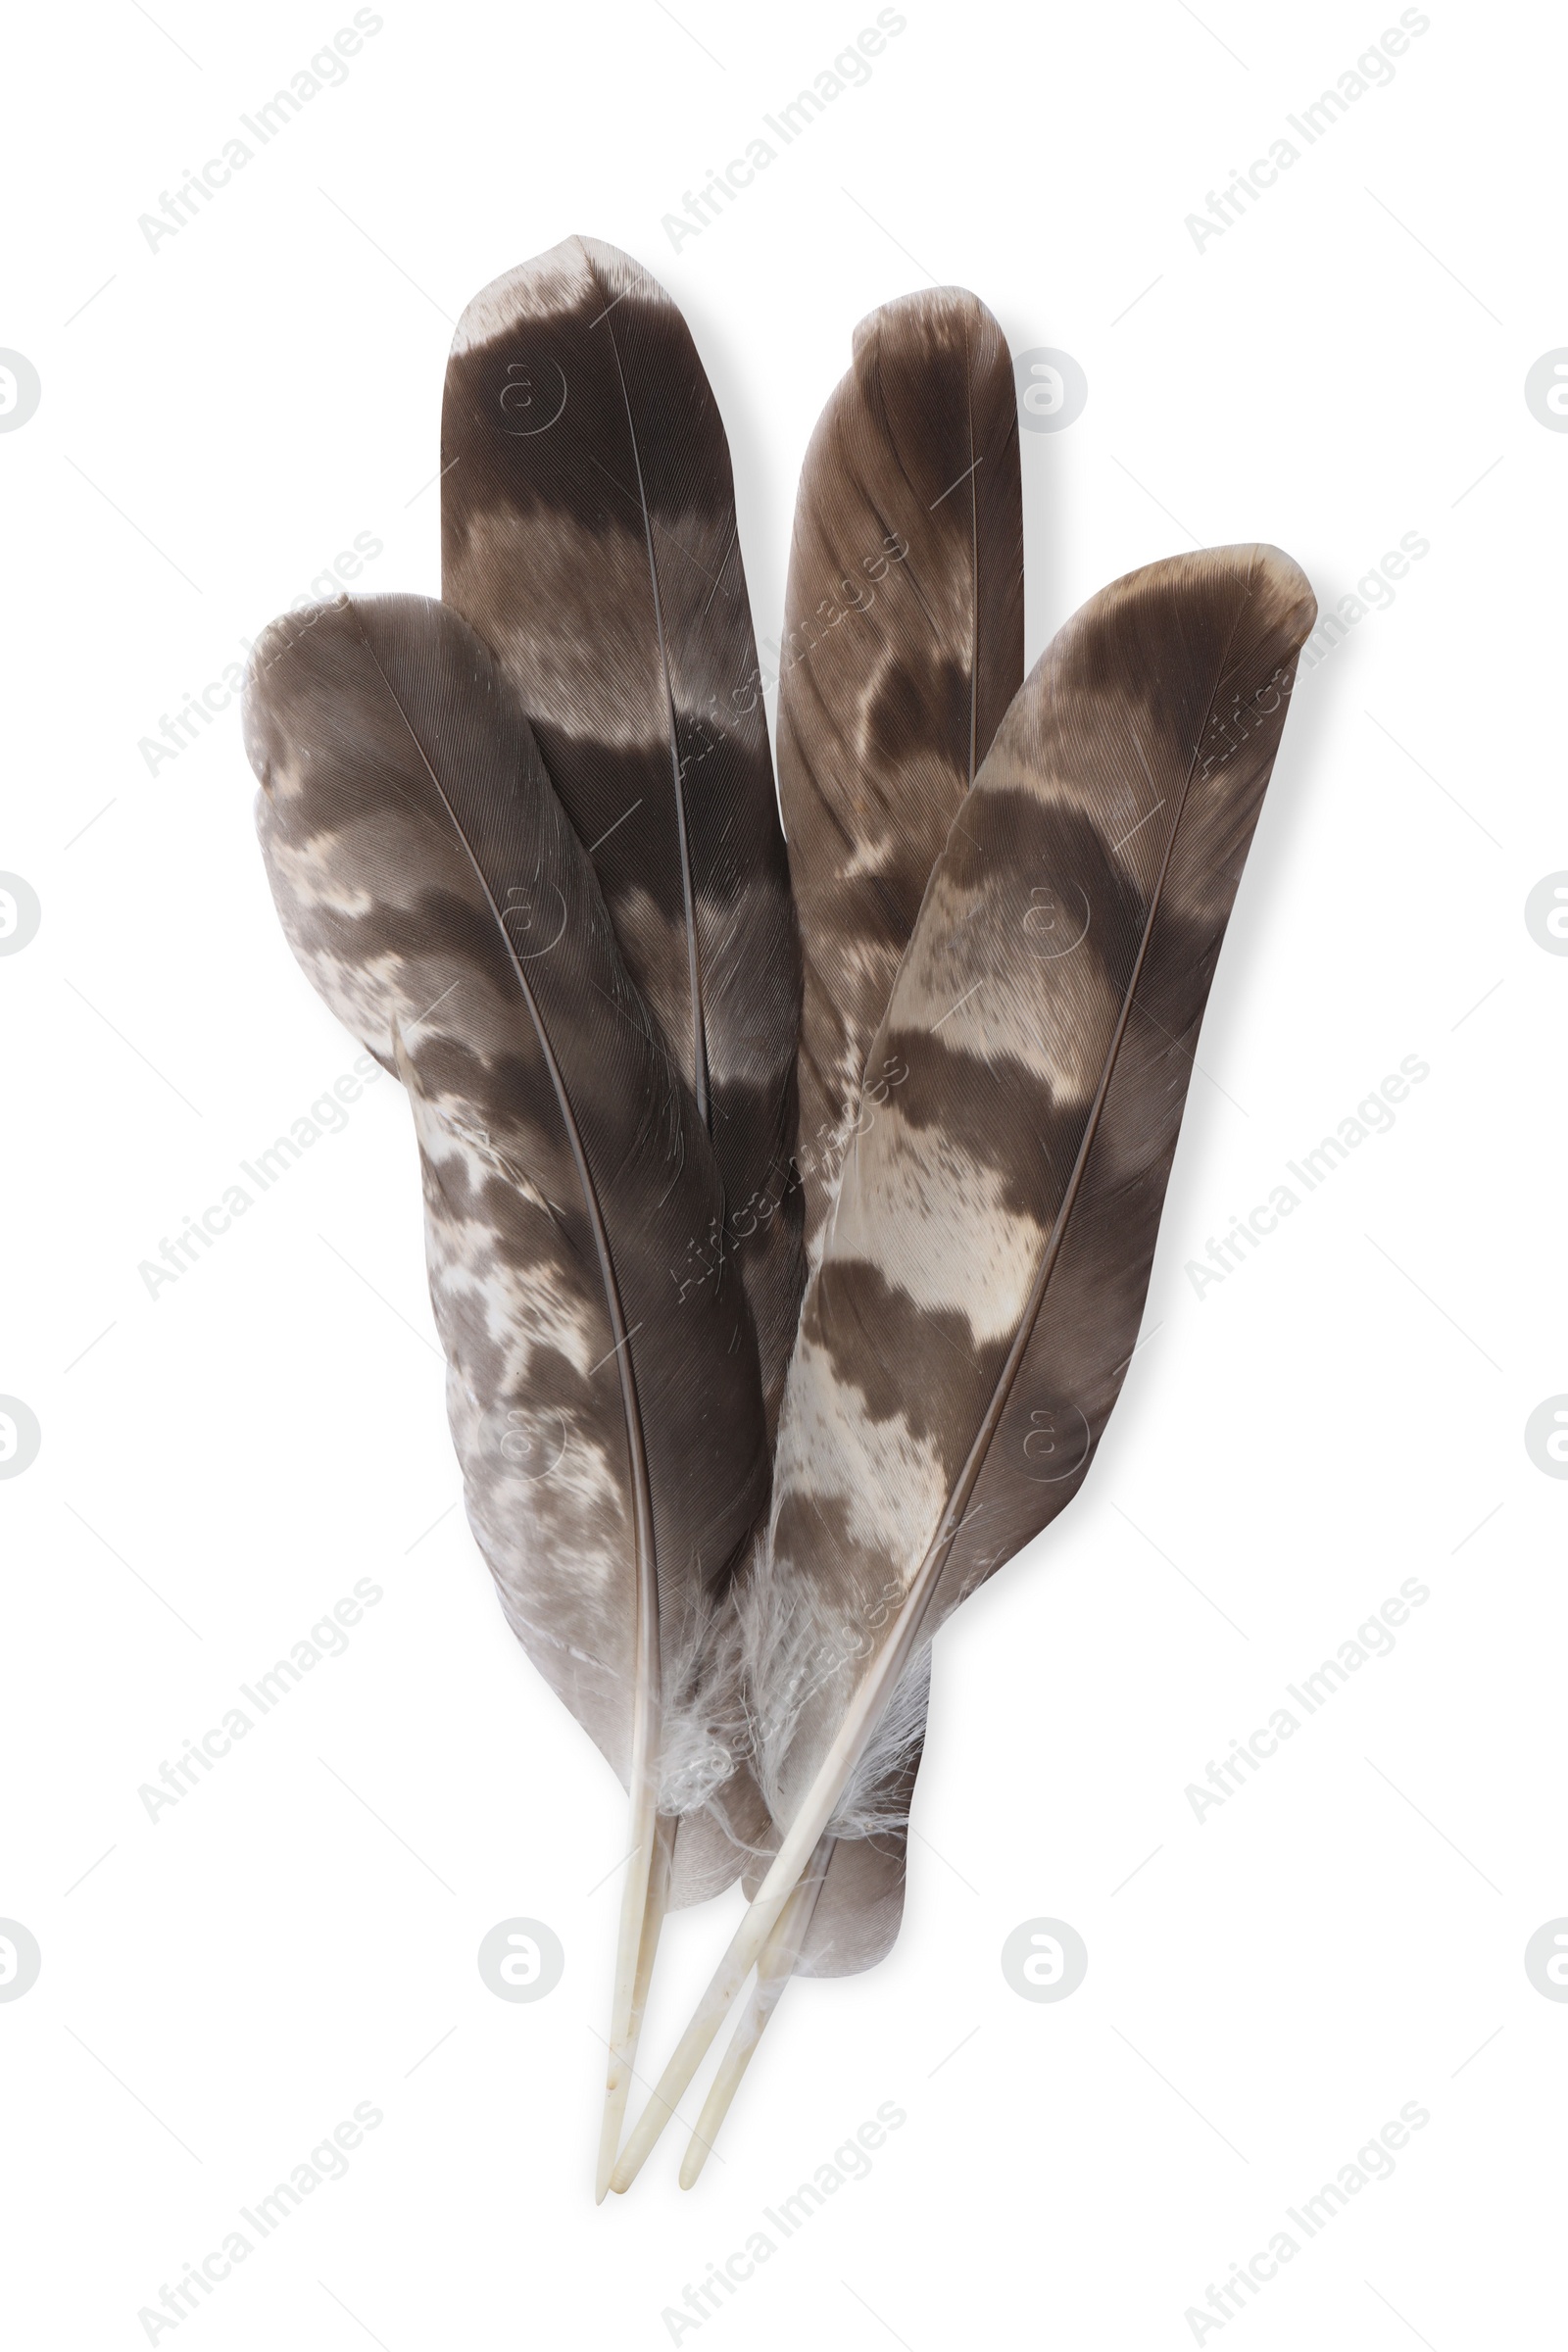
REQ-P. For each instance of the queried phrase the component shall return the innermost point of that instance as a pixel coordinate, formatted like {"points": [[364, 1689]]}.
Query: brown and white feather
{"points": [[602, 1385], [903, 648], [589, 538], [967, 1330]]}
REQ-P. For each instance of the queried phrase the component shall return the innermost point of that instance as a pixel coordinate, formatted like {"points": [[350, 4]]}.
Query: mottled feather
{"points": [[589, 538], [604, 1390], [903, 649], [967, 1332]]}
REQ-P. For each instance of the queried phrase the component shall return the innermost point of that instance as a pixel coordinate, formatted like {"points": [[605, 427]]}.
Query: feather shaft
{"points": [[645, 1899], [775, 1966]]}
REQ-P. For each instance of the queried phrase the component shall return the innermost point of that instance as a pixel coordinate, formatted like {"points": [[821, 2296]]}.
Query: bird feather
{"points": [[978, 1300], [589, 538], [603, 1387], [967, 1330], [903, 649]]}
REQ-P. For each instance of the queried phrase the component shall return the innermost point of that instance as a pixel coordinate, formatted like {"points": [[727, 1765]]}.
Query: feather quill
{"points": [[604, 1389], [967, 1333]]}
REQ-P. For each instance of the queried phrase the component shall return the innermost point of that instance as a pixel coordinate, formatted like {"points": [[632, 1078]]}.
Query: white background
{"points": [[1345, 1935]]}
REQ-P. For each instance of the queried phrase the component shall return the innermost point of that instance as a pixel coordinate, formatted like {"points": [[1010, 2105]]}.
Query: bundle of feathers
{"points": [[791, 1190]]}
